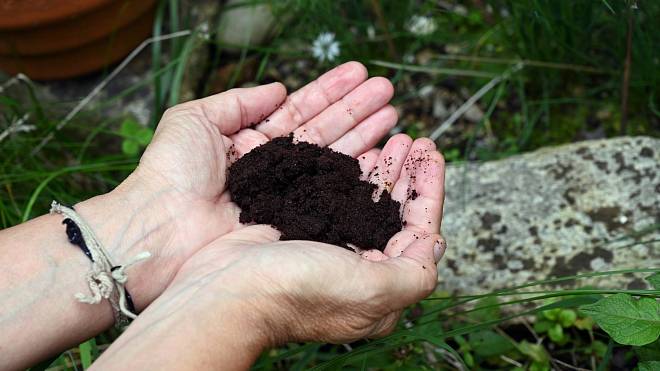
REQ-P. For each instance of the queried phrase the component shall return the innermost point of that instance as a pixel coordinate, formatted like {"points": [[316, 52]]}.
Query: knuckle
{"points": [[294, 111], [180, 109], [313, 135]]}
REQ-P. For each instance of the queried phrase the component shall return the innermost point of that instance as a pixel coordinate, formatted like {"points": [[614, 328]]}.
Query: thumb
{"points": [[236, 109], [410, 277], [428, 249]]}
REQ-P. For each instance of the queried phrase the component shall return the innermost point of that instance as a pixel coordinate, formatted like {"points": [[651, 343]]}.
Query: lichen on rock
{"points": [[561, 211]]}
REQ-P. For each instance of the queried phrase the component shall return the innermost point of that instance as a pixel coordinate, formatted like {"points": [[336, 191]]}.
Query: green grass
{"points": [[572, 58]]}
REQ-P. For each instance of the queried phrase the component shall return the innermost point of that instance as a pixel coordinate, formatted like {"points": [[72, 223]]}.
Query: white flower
{"points": [[371, 32], [325, 47], [421, 25]]}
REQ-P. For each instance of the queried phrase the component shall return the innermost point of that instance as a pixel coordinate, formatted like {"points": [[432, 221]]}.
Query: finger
{"points": [[367, 133], [346, 113], [368, 161], [374, 255], [313, 98], [423, 213], [410, 277], [427, 249], [234, 109], [419, 153], [389, 163], [420, 188], [400, 241]]}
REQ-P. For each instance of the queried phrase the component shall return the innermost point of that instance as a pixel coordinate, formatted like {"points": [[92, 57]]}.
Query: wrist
{"points": [[129, 220], [192, 328]]}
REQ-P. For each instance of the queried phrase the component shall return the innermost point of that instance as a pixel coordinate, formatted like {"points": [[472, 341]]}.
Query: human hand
{"points": [[324, 293], [175, 201], [243, 292]]}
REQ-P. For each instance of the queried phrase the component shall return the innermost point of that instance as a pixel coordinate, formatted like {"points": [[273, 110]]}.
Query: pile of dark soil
{"points": [[311, 193]]}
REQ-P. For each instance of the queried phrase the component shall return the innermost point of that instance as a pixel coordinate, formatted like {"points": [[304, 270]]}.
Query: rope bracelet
{"points": [[105, 279]]}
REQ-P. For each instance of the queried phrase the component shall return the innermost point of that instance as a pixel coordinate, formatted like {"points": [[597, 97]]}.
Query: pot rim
{"points": [[21, 14]]}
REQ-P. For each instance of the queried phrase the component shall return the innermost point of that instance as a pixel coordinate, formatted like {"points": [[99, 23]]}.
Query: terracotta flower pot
{"points": [[55, 39]]}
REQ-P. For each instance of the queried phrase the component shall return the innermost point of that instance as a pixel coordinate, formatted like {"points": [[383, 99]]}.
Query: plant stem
{"points": [[625, 86], [382, 23]]}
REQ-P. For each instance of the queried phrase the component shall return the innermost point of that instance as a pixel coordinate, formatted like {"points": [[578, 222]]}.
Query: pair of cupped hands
{"points": [[208, 266]]}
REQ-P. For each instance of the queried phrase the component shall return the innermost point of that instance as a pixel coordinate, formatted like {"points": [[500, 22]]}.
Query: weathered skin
{"points": [[555, 212]]}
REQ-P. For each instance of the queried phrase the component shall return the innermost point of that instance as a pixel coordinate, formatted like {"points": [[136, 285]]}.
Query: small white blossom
{"points": [[203, 31], [325, 47], [421, 25], [371, 32]]}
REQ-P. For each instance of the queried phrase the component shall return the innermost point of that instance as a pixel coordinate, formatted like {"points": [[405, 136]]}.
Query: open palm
{"points": [[186, 163], [307, 290], [313, 291]]}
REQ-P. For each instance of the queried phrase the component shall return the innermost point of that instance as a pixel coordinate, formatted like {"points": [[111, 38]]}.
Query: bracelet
{"points": [[105, 280]]}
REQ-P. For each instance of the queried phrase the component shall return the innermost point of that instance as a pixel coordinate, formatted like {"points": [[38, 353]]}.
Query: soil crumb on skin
{"points": [[312, 193]]}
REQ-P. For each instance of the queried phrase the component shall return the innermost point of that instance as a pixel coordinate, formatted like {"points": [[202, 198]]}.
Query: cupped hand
{"points": [[245, 292], [302, 290], [177, 194]]}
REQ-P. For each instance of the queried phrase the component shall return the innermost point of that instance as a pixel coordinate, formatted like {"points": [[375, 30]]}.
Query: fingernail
{"points": [[439, 249]]}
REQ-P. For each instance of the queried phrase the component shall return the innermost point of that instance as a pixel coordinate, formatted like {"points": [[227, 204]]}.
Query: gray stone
{"points": [[561, 211], [245, 24]]}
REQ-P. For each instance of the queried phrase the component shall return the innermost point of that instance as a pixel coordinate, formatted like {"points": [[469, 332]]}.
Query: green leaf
{"points": [[551, 314], [649, 366], [542, 325], [567, 317], [599, 348], [44, 365], [654, 280], [650, 352], [130, 147], [129, 128], [468, 359], [6, 101], [488, 343], [573, 302], [556, 333], [586, 323], [486, 314], [462, 343], [86, 353], [626, 320], [539, 366], [453, 154], [534, 351], [144, 135]]}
